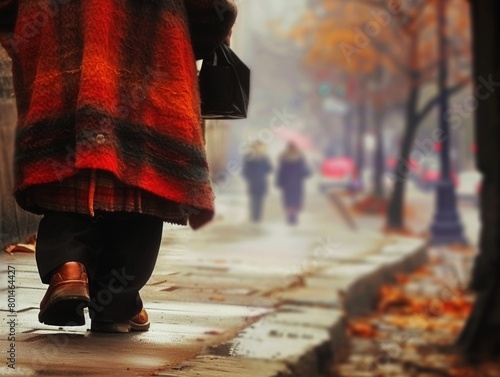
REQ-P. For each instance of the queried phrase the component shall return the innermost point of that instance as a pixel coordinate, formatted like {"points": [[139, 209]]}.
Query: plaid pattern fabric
{"points": [[93, 191], [111, 86]]}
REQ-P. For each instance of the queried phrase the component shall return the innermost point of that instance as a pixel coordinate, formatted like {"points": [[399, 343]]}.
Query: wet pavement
{"points": [[232, 299]]}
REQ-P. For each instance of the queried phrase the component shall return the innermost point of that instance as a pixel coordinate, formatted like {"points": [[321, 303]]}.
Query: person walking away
{"points": [[109, 142], [292, 172], [256, 168]]}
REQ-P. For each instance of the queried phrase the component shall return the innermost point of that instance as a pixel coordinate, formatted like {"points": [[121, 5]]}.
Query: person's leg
{"points": [[253, 208], [295, 216], [256, 207], [284, 200], [291, 215], [259, 204], [64, 237], [67, 247], [130, 248]]}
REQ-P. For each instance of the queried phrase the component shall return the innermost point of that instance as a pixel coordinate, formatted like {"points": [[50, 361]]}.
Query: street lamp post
{"points": [[446, 227]]}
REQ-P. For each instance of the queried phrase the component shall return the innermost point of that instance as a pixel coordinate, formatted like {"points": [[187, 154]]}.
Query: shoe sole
{"points": [[66, 307], [65, 312]]}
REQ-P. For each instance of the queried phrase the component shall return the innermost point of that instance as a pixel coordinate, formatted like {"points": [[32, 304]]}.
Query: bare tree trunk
{"points": [[395, 214], [481, 335], [378, 161]]}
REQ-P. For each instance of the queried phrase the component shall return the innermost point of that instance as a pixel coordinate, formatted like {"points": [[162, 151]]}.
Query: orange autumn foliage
{"points": [[362, 329], [394, 299], [358, 38]]}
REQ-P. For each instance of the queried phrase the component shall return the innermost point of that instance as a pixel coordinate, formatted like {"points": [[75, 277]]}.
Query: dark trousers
{"points": [[256, 204], [119, 251]]}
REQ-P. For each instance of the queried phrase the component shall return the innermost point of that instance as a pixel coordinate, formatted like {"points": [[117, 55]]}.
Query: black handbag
{"points": [[224, 85]]}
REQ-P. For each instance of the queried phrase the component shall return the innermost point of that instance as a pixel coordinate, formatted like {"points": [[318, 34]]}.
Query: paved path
{"points": [[230, 300]]}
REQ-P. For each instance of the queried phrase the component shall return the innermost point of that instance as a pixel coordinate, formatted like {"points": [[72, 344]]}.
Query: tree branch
{"points": [[435, 100]]}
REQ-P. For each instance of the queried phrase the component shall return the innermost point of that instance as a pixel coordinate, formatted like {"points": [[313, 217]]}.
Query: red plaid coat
{"points": [[108, 103]]}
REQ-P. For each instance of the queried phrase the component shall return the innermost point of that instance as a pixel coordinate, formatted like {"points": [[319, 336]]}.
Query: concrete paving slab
{"points": [[246, 282], [334, 321], [205, 295], [26, 298], [301, 348], [349, 270], [324, 296], [74, 354], [306, 316], [217, 366], [271, 340]]}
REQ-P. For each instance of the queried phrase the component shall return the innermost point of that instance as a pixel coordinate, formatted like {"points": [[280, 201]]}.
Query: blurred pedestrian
{"points": [[109, 142], [256, 168], [292, 172]]}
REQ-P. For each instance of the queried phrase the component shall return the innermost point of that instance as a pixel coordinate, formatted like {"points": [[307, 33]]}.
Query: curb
{"points": [[308, 330]]}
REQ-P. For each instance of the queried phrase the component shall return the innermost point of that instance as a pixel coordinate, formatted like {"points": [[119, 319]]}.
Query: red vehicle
{"points": [[412, 165], [430, 173], [337, 172]]}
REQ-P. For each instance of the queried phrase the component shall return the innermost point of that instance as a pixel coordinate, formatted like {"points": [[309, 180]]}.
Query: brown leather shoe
{"points": [[66, 297], [139, 322]]}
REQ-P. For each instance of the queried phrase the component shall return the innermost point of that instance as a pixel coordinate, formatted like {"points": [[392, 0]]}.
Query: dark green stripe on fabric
{"points": [[137, 146]]}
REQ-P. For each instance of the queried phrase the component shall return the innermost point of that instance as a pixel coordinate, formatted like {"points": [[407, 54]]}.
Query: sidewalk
{"points": [[229, 300]]}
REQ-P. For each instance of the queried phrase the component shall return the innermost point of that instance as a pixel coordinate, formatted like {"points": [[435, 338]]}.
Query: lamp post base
{"points": [[446, 227]]}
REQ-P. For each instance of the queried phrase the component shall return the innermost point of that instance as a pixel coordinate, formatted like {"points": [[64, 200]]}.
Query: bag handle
{"points": [[219, 56]]}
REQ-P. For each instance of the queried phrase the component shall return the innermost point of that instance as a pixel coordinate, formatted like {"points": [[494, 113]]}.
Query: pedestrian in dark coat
{"points": [[292, 172], [256, 168], [109, 142]]}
